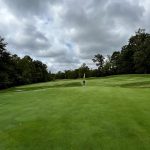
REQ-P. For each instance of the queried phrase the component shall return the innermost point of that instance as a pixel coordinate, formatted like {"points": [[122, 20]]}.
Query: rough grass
{"points": [[110, 113]]}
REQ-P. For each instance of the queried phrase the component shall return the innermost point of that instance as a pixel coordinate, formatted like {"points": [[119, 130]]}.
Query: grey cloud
{"points": [[127, 11], [30, 7], [42, 28], [52, 53], [95, 32], [30, 38], [67, 59]]}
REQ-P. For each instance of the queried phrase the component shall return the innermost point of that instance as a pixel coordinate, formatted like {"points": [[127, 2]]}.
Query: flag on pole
{"points": [[84, 76]]}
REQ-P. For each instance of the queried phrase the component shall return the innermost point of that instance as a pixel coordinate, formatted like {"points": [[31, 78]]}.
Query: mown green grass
{"points": [[111, 113]]}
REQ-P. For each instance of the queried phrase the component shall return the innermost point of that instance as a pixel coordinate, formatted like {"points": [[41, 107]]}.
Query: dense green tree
{"points": [[135, 56], [142, 52], [107, 67], [60, 75], [5, 65], [17, 71], [99, 60], [40, 72], [126, 64], [115, 62]]}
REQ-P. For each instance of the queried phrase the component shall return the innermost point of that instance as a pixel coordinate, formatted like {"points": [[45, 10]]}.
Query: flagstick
{"points": [[84, 79]]}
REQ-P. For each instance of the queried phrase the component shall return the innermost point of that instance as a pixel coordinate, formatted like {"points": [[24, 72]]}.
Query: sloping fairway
{"points": [[111, 113]]}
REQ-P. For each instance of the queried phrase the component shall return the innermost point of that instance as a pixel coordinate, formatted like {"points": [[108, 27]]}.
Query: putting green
{"points": [[110, 113]]}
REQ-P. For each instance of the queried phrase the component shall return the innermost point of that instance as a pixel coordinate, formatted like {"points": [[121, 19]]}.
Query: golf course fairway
{"points": [[108, 113]]}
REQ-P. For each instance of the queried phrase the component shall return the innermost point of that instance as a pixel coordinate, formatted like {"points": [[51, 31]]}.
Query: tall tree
{"points": [[107, 67], [99, 60], [5, 64], [17, 71], [142, 51], [115, 62]]}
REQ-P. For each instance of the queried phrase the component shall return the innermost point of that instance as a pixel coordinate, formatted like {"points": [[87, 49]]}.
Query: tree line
{"points": [[19, 71], [132, 58]]}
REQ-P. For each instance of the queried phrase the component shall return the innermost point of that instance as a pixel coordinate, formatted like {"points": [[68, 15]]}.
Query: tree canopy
{"points": [[17, 71]]}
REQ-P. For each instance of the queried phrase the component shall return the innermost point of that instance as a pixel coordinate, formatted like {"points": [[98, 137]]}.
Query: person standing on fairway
{"points": [[84, 79]]}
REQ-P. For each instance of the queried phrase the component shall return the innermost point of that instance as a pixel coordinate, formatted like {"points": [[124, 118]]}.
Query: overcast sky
{"points": [[65, 33]]}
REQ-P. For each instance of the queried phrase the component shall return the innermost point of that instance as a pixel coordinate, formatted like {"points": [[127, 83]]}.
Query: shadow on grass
{"points": [[72, 84], [144, 84]]}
